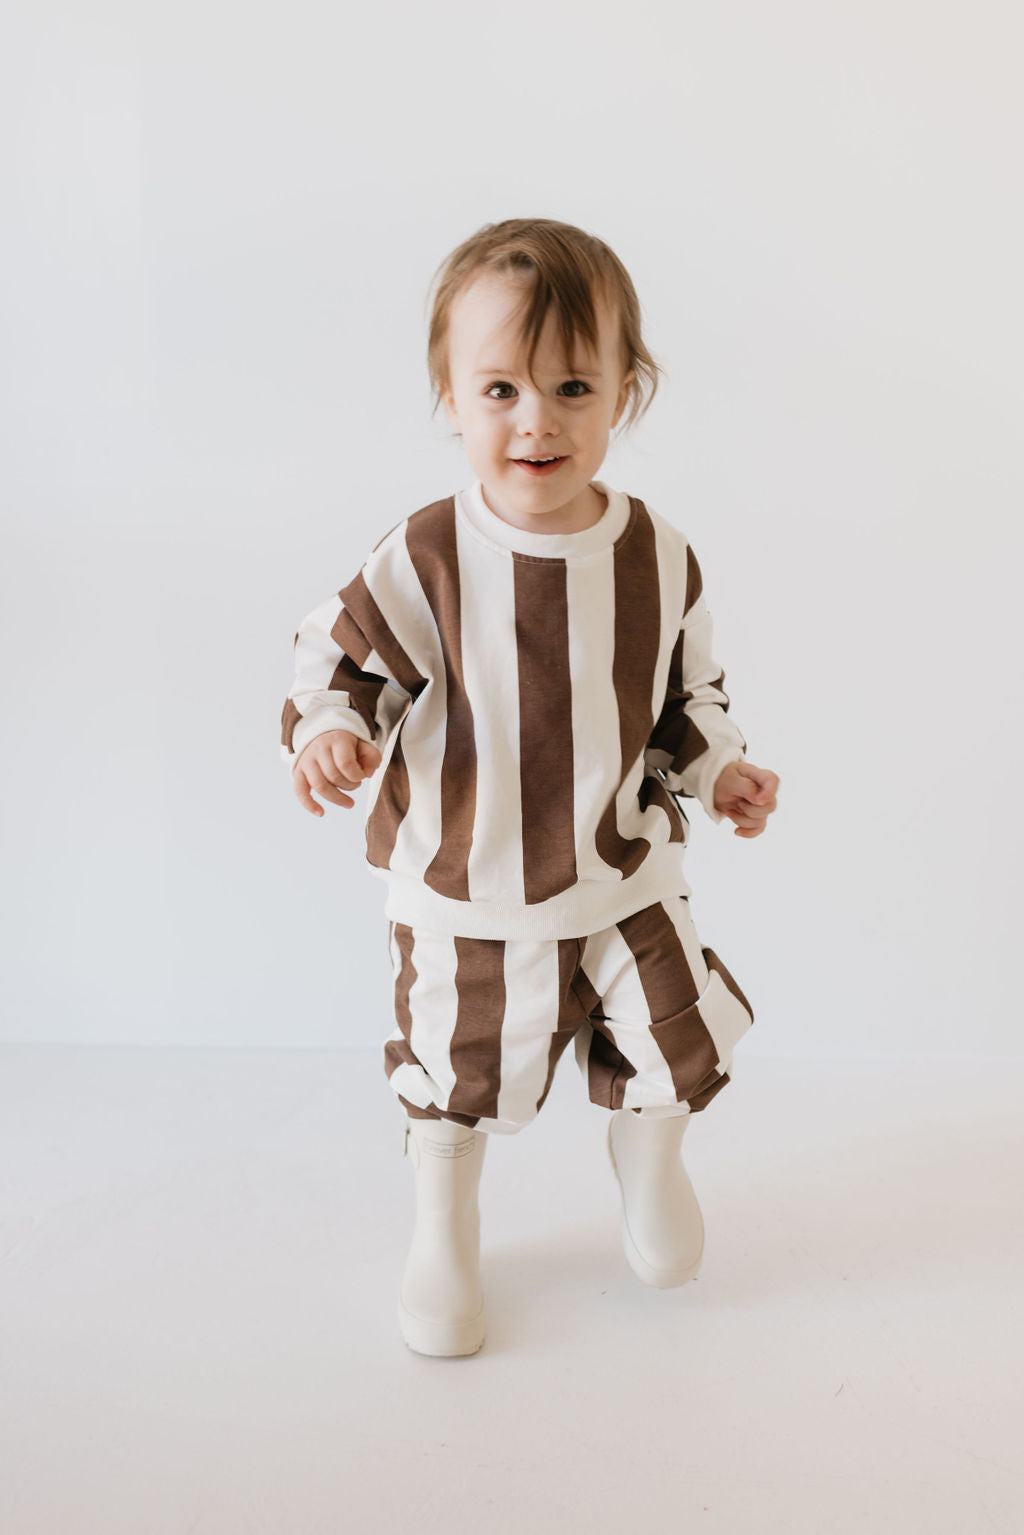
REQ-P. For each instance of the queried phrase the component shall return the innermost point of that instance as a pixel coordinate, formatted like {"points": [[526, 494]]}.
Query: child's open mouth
{"points": [[536, 466]]}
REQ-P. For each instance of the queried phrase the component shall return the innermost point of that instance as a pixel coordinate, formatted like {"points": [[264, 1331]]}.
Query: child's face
{"points": [[504, 418]]}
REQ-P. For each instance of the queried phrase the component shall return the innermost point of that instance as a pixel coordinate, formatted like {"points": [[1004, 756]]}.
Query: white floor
{"points": [[200, 1260]]}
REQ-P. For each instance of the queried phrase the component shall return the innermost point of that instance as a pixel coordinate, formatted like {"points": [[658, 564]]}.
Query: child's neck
{"points": [[572, 520]]}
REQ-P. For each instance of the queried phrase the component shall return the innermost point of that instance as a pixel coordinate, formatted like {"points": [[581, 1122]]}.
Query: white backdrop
{"points": [[219, 225]]}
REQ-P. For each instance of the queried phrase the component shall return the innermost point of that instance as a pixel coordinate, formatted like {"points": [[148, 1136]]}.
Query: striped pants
{"points": [[482, 1022]]}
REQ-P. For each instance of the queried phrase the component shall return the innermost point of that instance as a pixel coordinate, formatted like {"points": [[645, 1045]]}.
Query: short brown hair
{"points": [[569, 268]]}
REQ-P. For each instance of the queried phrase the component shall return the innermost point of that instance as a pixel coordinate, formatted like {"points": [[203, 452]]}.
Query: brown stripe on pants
{"points": [[482, 1023]]}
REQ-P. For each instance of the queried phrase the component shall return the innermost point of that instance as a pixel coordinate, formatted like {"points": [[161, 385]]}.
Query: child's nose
{"points": [[537, 417]]}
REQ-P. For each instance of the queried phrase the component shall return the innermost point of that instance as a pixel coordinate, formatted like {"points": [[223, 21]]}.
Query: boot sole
{"points": [[659, 1279], [441, 1340]]}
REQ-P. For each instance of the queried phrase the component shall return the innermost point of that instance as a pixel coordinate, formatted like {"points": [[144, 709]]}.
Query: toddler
{"points": [[524, 670]]}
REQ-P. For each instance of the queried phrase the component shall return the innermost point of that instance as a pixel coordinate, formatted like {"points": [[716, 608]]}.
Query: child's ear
{"points": [[448, 401], [623, 399]]}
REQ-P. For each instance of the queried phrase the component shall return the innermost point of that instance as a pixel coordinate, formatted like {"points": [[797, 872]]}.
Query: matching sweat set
{"points": [[541, 701]]}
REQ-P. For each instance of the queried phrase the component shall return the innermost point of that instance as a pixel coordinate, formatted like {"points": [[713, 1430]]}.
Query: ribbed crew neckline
{"points": [[473, 508]]}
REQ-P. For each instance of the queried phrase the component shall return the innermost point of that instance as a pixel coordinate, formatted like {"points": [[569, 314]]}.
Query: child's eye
{"points": [[572, 383]]}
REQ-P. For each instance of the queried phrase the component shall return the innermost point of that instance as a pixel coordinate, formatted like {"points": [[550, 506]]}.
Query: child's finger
{"points": [[368, 757], [748, 824], [328, 788], [300, 783], [738, 815], [761, 806], [305, 799], [346, 759], [764, 784]]}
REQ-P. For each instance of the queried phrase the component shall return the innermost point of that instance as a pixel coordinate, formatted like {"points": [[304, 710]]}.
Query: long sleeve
{"points": [[694, 738], [348, 666]]}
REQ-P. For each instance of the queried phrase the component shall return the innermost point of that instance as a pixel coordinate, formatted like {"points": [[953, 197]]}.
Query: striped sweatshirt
{"points": [[541, 702]]}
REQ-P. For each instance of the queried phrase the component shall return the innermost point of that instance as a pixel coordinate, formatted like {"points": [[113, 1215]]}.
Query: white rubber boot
{"points": [[441, 1302], [662, 1227]]}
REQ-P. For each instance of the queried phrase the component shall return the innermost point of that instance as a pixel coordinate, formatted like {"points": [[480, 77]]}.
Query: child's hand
{"points": [[746, 794], [333, 761]]}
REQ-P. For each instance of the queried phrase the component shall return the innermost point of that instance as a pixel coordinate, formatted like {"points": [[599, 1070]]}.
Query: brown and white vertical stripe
{"points": [[546, 706], [482, 1023]]}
